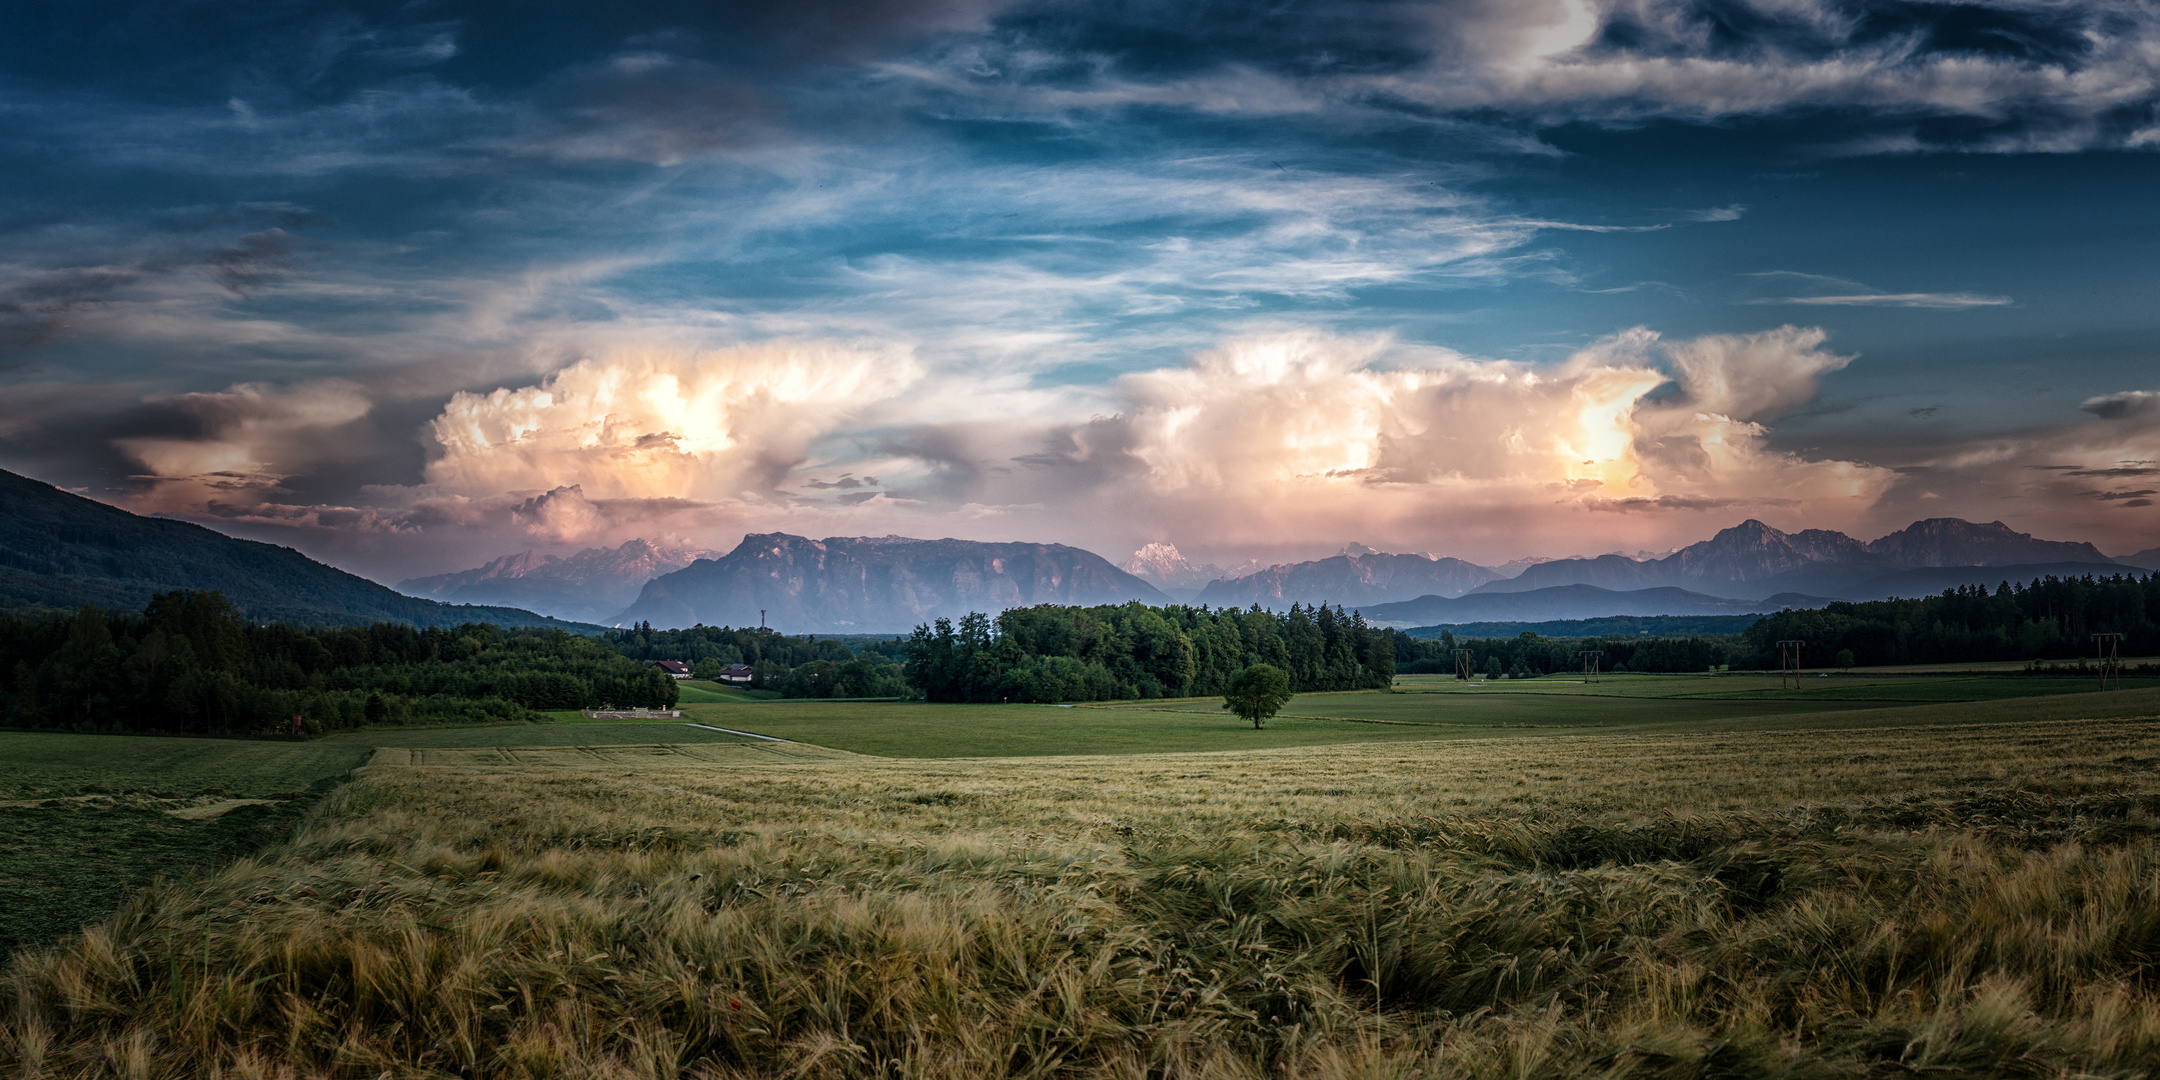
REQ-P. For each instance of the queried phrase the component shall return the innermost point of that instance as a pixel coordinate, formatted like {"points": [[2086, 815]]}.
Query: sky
{"points": [[409, 286]]}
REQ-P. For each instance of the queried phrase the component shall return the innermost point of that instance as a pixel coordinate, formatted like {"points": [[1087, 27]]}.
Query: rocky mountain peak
{"points": [[589, 585], [1157, 559], [1956, 542], [1163, 564], [886, 584], [1750, 531]]}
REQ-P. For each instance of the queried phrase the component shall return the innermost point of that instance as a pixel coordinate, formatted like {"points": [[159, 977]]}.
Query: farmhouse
{"points": [[676, 668], [736, 673]]}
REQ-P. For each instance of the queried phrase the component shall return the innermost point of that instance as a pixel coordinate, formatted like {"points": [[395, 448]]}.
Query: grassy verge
{"points": [[72, 861], [1751, 686], [570, 733], [1979, 900], [85, 819]]}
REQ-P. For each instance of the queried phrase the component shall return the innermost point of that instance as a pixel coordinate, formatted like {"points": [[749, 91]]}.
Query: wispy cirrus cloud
{"points": [[1939, 301], [2014, 77], [1827, 291]]}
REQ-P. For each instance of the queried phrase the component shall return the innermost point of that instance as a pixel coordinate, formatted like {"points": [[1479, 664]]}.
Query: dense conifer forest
{"points": [[1528, 655], [190, 663], [2047, 619], [1051, 653]]}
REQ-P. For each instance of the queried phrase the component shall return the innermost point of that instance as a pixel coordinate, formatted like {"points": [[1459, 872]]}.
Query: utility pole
{"points": [[2109, 647], [1788, 659], [1590, 673]]}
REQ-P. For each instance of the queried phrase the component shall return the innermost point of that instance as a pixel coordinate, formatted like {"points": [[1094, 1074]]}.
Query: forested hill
{"points": [[61, 551]]}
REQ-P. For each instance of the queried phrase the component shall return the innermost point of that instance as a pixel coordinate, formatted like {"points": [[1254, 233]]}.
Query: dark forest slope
{"points": [[59, 550]]}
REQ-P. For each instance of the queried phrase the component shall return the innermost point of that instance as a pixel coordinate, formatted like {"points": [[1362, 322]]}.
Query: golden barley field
{"points": [[1941, 901]]}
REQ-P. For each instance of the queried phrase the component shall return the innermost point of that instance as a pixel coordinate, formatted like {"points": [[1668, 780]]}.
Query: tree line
{"points": [[1528, 655], [1055, 653], [2051, 618], [190, 663]]}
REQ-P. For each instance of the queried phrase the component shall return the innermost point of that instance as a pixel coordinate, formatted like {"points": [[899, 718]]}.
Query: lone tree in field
{"points": [[1257, 693]]}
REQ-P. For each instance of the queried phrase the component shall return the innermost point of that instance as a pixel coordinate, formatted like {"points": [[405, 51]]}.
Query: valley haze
{"points": [[891, 584]]}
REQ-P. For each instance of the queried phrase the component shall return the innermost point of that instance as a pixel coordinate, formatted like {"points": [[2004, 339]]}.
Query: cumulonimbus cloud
{"points": [[1283, 437], [1305, 438], [1302, 417], [658, 423], [1270, 443], [1276, 441]]}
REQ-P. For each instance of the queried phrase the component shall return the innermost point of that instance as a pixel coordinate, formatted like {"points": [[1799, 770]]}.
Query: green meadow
{"points": [[1423, 708]]}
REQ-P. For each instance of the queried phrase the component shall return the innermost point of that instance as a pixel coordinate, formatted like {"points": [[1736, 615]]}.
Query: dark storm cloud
{"points": [[949, 459], [37, 303], [2122, 405]]}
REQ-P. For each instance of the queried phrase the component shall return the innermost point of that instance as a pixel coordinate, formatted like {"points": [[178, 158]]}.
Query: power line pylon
{"points": [[1788, 660], [1462, 664], [2109, 648], [1590, 673]]}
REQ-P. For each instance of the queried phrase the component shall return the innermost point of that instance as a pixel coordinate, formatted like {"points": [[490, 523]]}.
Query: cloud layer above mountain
{"points": [[411, 287]]}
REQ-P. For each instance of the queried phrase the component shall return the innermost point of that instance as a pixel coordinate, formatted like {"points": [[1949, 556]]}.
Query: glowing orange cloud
{"points": [[1267, 442], [651, 423]]}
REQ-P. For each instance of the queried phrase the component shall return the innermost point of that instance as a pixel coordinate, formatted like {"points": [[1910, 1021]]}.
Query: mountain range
{"points": [[1748, 567], [877, 584], [60, 551], [1752, 559], [1357, 577], [593, 585], [889, 584]]}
